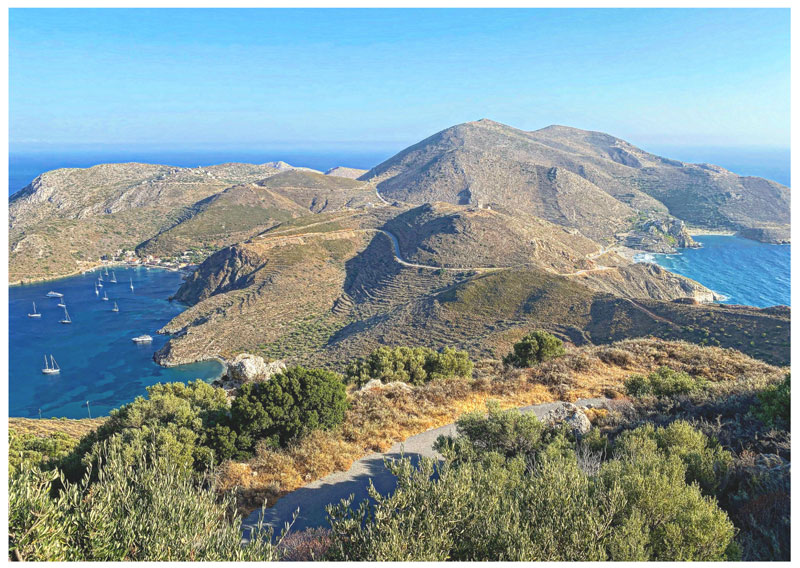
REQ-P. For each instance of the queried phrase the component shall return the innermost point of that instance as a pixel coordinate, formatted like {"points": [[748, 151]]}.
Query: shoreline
{"points": [[92, 268]]}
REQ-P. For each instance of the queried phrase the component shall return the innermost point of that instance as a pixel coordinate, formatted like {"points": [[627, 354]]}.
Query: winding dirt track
{"points": [[312, 499]]}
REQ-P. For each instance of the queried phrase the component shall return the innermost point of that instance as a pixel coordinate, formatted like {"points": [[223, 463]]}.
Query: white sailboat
{"points": [[35, 314], [115, 308], [62, 304], [54, 295], [51, 368], [66, 317], [100, 279], [113, 277], [96, 291], [105, 297], [131, 284], [105, 271]]}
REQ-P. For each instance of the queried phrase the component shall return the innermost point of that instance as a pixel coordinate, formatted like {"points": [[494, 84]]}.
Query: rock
{"points": [[371, 384], [569, 414], [246, 368]]}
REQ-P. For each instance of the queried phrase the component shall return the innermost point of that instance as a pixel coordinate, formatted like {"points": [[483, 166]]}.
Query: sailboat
{"points": [[115, 308], [131, 284], [113, 277], [35, 314], [54, 295], [66, 317], [96, 291], [105, 297], [61, 303], [106, 271], [100, 279], [51, 368]]}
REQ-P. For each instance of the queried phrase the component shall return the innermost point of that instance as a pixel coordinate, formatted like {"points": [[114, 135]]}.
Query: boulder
{"points": [[569, 414], [246, 368]]}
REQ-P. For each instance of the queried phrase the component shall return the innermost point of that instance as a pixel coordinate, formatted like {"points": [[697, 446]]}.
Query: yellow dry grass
{"points": [[48, 426], [380, 417]]}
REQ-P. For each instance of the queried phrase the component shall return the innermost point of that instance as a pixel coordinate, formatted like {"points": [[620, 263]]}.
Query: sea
{"points": [[744, 271], [100, 364]]}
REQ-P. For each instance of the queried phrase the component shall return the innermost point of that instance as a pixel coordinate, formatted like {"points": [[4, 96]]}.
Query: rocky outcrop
{"points": [[248, 368], [377, 384], [569, 414], [770, 235], [662, 235]]}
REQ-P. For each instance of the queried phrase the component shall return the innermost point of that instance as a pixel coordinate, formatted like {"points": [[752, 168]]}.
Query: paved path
{"points": [[312, 499]]}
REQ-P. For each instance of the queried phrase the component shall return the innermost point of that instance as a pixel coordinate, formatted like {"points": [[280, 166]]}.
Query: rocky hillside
{"points": [[66, 219], [324, 292], [590, 181]]}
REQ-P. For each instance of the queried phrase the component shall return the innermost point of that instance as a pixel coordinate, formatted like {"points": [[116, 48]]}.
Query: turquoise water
{"points": [[98, 360], [745, 271]]}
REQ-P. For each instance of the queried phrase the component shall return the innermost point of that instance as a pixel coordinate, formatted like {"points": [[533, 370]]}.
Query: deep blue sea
{"points": [[98, 360], [746, 272]]}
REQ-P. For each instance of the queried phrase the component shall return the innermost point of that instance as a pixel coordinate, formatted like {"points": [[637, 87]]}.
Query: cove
{"points": [[744, 271], [98, 360]]}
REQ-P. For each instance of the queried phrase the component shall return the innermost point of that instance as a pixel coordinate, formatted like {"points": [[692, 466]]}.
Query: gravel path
{"points": [[312, 499]]}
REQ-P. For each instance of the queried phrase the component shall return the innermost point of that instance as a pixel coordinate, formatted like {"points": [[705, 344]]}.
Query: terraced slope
{"points": [[324, 292]]}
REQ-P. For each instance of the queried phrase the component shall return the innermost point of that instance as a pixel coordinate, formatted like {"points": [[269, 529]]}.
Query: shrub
{"points": [[534, 348], [663, 382], [636, 506], [413, 365], [706, 462], [509, 433], [151, 511], [774, 404], [288, 406], [175, 418]]}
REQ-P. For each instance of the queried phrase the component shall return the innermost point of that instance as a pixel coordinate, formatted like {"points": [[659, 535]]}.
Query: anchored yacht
{"points": [[50, 368]]}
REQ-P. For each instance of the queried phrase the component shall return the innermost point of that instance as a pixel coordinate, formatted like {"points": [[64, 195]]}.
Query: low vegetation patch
{"points": [[663, 382], [413, 365]]}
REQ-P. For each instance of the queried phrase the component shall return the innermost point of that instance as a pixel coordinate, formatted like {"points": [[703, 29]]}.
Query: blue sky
{"points": [[368, 79]]}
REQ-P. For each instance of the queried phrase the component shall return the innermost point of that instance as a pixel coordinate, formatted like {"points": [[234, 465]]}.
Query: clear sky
{"points": [[388, 78]]}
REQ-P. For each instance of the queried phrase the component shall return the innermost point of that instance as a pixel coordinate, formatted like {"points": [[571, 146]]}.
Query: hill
{"points": [[590, 181], [66, 219], [324, 292]]}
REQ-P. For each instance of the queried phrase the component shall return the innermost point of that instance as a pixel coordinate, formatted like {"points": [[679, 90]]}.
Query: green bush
{"points": [[775, 404], [149, 511], [663, 382], [509, 433], [288, 406], [706, 462], [533, 349], [555, 507], [414, 365], [175, 418]]}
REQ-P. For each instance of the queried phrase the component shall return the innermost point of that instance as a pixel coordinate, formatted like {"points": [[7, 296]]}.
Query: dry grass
{"points": [[381, 417], [48, 426]]}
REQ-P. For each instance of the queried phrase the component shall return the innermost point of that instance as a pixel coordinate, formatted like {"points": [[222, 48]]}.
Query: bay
{"points": [[98, 360], [744, 271]]}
